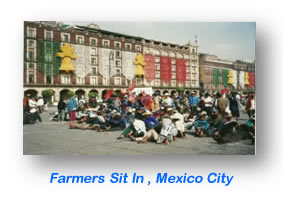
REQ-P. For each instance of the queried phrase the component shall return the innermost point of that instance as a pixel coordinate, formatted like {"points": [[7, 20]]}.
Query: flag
{"points": [[108, 94], [131, 88]]}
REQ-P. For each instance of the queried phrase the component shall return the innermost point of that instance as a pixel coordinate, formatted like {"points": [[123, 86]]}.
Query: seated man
{"points": [[226, 132], [214, 122], [178, 120], [168, 131], [150, 122], [201, 126]]}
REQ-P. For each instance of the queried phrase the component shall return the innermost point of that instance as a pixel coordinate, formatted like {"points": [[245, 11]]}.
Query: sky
{"points": [[227, 40]]}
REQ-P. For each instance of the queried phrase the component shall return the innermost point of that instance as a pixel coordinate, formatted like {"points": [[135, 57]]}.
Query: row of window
{"points": [[65, 37]]}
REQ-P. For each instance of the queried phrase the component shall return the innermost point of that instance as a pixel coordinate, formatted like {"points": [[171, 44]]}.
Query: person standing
{"points": [[61, 110], [222, 104], [251, 106], [40, 104], [234, 106], [194, 101], [207, 103], [72, 106]]}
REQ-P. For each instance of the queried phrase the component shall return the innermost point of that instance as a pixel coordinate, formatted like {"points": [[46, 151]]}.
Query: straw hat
{"points": [[147, 112]]}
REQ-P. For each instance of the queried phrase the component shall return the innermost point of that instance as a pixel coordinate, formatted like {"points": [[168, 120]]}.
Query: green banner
{"points": [[216, 75], [225, 77]]}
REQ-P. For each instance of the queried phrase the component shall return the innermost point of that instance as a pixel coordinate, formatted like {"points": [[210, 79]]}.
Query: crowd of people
{"points": [[159, 118]]}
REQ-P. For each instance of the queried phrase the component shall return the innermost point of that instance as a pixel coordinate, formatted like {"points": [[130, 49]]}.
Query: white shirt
{"points": [[207, 101], [40, 102], [167, 101]]}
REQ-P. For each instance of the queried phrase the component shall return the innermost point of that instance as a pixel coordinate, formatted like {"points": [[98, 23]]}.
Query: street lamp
{"points": [[111, 57]]}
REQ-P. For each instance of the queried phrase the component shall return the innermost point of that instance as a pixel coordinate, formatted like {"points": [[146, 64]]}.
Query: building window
{"points": [[117, 53], [157, 59], [188, 84], [157, 75], [93, 42], [173, 83], [157, 66], [65, 79], [173, 61], [93, 51], [65, 37], [31, 66], [31, 77], [94, 70], [93, 60], [31, 32], [118, 71], [128, 47], [187, 70], [31, 43], [118, 63], [157, 82], [48, 35], [138, 48], [80, 80], [48, 79], [117, 45], [79, 39], [31, 56], [173, 68], [173, 75], [93, 80], [117, 81], [105, 43]]}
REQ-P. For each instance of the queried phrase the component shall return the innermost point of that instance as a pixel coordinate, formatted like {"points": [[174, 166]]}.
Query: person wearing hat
{"points": [[168, 131], [178, 120], [234, 105], [167, 101], [150, 122], [201, 126], [33, 109], [207, 103], [226, 132]]}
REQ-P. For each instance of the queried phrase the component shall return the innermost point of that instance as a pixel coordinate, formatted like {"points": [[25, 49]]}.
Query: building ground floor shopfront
{"points": [[83, 91]]}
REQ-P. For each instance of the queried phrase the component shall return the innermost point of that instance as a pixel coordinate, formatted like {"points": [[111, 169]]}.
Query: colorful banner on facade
{"points": [[225, 77], [242, 79], [181, 70], [234, 72], [106, 63], [216, 75], [128, 67], [251, 79], [165, 69], [82, 63], [150, 67]]}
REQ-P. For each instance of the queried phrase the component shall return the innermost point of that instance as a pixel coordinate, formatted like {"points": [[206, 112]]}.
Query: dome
{"points": [[94, 26]]}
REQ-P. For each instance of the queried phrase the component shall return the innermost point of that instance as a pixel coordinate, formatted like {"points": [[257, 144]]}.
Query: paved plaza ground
{"points": [[53, 138]]}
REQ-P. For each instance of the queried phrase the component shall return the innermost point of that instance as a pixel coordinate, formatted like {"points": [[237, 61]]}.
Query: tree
{"points": [[47, 94], [92, 94], [70, 94]]}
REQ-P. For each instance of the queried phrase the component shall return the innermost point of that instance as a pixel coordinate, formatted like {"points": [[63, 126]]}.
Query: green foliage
{"points": [[47, 94], [180, 89], [225, 77], [70, 94], [92, 94]]}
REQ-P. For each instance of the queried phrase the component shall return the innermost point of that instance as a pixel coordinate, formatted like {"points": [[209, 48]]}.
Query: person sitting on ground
{"points": [[201, 126], [214, 122], [168, 131], [226, 132], [150, 122], [178, 120]]}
